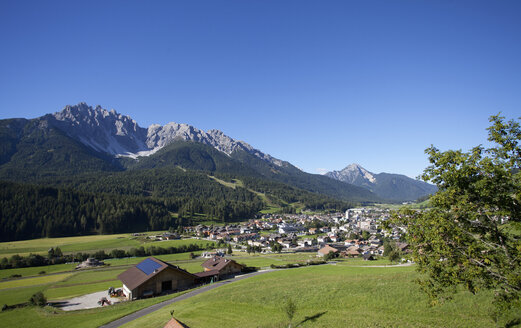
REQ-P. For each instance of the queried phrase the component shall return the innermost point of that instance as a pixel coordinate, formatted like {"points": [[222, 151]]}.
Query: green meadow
{"points": [[337, 296], [350, 293], [89, 244]]}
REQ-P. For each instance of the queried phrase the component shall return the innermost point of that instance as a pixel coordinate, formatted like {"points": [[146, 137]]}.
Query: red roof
{"points": [[326, 249], [173, 323]]}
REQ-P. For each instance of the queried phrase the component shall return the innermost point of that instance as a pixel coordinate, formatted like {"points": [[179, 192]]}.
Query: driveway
{"points": [[88, 301]]}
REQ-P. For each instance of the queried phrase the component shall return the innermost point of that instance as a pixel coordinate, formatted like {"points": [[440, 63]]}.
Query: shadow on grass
{"points": [[312, 318]]}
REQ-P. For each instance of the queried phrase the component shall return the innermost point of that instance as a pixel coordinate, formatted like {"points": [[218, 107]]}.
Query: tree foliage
{"points": [[471, 235]]}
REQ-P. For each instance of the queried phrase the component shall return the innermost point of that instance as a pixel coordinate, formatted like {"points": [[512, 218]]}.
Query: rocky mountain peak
{"points": [[354, 174], [119, 135], [105, 131]]}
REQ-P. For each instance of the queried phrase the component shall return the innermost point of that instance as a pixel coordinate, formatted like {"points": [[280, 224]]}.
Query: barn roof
{"points": [[145, 270]]}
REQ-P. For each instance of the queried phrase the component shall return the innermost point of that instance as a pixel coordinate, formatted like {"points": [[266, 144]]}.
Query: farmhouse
{"points": [[152, 277], [220, 267], [326, 250]]}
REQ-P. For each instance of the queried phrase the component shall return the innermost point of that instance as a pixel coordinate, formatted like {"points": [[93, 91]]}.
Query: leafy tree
{"points": [[38, 299], [392, 251], [469, 236], [394, 255], [230, 251], [58, 252], [331, 255], [290, 308], [276, 247]]}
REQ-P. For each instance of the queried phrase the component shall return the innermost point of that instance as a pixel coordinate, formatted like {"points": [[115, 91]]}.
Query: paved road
{"points": [[155, 307]]}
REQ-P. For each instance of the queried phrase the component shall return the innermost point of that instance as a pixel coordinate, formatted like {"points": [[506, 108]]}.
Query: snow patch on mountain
{"points": [[121, 136]]}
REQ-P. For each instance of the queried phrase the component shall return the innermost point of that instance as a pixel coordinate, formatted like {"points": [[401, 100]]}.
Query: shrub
{"points": [[38, 299]]}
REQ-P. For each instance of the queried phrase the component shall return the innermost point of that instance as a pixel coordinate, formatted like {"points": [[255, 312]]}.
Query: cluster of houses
{"points": [[309, 233], [328, 234]]}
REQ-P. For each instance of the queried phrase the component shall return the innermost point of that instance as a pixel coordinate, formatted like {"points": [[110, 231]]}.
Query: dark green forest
{"points": [[28, 211], [53, 185]]}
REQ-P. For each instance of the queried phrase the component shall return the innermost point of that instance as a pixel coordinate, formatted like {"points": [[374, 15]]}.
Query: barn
{"points": [[152, 277]]}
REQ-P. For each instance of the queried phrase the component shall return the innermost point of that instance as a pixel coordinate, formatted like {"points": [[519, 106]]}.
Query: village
{"points": [[356, 233]]}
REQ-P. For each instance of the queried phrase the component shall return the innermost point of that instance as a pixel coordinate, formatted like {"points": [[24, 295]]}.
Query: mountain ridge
{"points": [[396, 187], [82, 139], [120, 135]]}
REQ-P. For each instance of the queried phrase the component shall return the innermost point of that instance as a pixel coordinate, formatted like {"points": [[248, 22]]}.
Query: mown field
{"points": [[351, 293], [87, 244], [338, 296]]}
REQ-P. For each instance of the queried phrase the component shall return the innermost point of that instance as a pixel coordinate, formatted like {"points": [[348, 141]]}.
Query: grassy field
{"points": [[64, 282], [88, 244], [67, 244], [34, 281], [352, 293], [340, 296], [33, 271]]}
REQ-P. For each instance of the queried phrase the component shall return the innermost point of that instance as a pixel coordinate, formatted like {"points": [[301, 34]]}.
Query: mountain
{"points": [[84, 141], [395, 187], [119, 135]]}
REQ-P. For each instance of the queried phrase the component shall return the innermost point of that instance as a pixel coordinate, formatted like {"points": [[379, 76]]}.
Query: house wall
{"points": [[230, 268], [179, 281]]}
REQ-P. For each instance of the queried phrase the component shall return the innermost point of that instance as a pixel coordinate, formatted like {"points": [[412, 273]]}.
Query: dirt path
{"points": [[384, 266]]}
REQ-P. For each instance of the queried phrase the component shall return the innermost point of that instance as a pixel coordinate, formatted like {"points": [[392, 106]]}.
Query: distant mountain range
{"points": [[394, 187], [87, 170], [81, 139]]}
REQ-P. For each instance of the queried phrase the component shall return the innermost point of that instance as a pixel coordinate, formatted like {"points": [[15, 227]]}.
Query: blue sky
{"points": [[321, 84]]}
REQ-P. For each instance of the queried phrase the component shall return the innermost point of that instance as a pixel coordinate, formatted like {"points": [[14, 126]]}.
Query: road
{"points": [[155, 307]]}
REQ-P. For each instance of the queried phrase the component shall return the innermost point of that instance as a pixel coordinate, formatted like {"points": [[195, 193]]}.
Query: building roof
{"points": [[326, 249], [217, 263], [173, 323], [144, 270], [207, 273]]}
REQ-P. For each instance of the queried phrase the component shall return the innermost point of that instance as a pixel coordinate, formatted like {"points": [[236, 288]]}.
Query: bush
{"points": [[38, 299]]}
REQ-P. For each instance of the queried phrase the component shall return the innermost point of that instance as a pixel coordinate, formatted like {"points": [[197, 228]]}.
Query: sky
{"points": [[321, 84]]}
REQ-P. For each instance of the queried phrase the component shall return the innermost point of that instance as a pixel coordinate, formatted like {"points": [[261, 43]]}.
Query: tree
{"points": [[290, 308], [469, 236], [230, 251], [38, 299], [392, 251], [331, 255], [394, 255]]}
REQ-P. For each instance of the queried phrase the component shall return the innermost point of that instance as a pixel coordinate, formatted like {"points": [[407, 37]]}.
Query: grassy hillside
{"points": [[352, 293], [340, 296]]}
